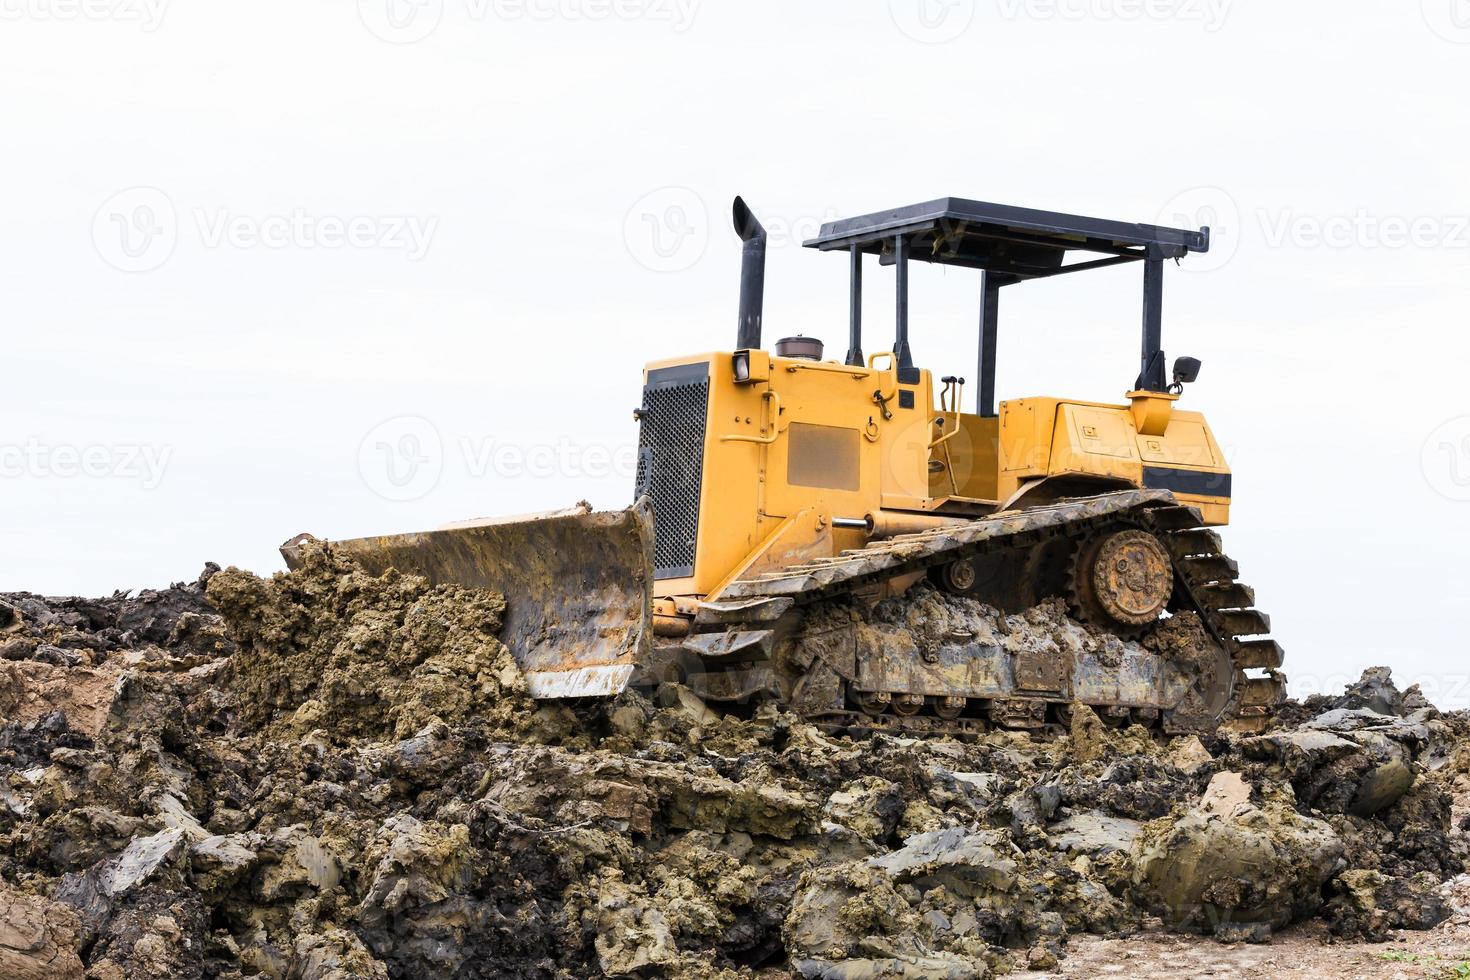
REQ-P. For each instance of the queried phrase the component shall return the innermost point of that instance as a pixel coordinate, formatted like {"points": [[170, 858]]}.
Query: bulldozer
{"points": [[776, 486]]}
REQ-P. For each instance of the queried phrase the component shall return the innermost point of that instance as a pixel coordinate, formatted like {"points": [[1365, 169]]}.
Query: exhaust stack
{"points": [[752, 277]]}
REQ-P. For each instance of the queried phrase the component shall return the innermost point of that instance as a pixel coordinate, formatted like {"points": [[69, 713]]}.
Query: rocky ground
{"points": [[328, 775]]}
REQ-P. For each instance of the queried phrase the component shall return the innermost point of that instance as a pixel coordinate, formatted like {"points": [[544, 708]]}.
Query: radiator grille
{"points": [[671, 462]]}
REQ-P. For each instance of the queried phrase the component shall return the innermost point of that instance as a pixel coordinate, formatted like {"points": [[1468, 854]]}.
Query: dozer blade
{"points": [[577, 587]]}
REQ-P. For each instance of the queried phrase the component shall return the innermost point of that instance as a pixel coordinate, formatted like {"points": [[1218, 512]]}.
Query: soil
{"points": [[1305, 952], [328, 775]]}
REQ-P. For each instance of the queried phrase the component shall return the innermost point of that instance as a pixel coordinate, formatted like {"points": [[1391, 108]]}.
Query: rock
{"points": [[175, 816], [1348, 760], [1226, 859], [1189, 754], [1227, 794], [1381, 788], [39, 939], [633, 937], [1350, 721], [1090, 739], [1374, 691], [1300, 747], [965, 863], [682, 701], [96, 892], [294, 860], [218, 862], [1041, 958], [1243, 932], [869, 806], [335, 955], [714, 803], [140, 860], [1456, 894], [1370, 905], [1094, 833], [837, 910], [154, 932], [939, 967]]}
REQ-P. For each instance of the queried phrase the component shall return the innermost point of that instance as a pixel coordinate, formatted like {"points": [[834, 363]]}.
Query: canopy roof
{"points": [[1014, 243]]}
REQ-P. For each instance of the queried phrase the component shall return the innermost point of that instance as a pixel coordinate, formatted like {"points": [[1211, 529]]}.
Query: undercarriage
{"points": [[1120, 602]]}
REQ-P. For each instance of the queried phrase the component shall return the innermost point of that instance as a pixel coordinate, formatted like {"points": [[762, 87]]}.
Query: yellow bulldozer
{"points": [[775, 486]]}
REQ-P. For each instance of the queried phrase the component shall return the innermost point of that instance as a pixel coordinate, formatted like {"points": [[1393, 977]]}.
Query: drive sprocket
{"points": [[1122, 580]]}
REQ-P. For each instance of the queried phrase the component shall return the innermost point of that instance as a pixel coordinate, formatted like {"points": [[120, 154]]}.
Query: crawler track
{"points": [[740, 627]]}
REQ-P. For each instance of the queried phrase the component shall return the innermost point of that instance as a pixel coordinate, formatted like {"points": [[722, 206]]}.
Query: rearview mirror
{"points": [[1186, 370]]}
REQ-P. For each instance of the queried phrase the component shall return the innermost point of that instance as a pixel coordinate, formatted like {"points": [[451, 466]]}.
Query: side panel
{"points": [[906, 438], [801, 436], [735, 472], [1026, 429], [826, 458], [1051, 438], [973, 458]]}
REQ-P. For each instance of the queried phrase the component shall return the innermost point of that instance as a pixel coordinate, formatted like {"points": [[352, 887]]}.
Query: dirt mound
{"points": [[65, 655], [330, 648], [332, 775]]}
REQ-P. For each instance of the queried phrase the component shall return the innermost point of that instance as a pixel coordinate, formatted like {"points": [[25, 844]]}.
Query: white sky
{"points": [[454, 235]]}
